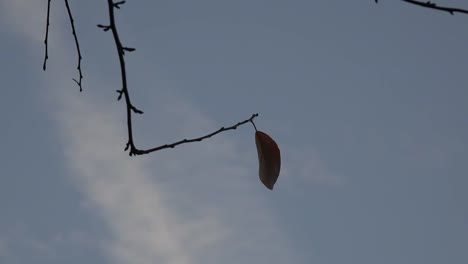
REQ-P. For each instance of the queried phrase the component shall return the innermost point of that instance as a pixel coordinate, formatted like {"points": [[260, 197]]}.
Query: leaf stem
{"points": [[251, 121]]}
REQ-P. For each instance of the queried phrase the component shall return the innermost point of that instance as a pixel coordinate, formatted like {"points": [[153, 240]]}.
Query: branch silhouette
{"points": [[432, 5], [77, 44], [124, 92], [184, 141], [46, 55]]}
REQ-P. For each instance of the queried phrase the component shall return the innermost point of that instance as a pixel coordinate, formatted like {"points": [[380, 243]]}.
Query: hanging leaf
{"points": [[269, 159]]}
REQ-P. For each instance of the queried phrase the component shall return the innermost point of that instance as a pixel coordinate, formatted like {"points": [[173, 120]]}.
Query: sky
{"points": [[367, 103]]}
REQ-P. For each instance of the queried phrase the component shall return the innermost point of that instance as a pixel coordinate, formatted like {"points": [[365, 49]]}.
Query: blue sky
{"points": [[367, 102]]}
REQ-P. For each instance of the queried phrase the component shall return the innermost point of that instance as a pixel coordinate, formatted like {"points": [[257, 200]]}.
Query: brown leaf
{"points": [[269, 159]]}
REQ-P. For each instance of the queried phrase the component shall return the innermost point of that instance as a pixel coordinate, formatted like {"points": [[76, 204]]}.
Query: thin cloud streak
{"points": [[120, 190]]}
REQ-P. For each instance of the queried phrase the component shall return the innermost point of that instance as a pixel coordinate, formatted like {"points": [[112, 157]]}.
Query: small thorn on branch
{"points": [[120, 92], [135, 110], [79, 82], [117, 4], [104, 28], [128, 49]]}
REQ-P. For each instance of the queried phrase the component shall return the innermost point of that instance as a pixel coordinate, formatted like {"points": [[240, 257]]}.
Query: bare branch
{"points": [[78, 82], [124, 92], [431, 5], [173, 145], [46, 56], [130, 146], [133, 150], [123, 74]]}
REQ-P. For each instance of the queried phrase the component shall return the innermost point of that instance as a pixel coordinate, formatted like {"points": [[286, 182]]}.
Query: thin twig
{"points": [[253, 124], [77, 46], [431, 5], [46, 56], [173, 145]]}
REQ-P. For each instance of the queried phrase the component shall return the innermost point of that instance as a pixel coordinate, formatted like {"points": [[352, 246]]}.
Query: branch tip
{"points": [[104, 28], [128, 49], [120, 92], [136, 110], [117, 4], [431, 5]]}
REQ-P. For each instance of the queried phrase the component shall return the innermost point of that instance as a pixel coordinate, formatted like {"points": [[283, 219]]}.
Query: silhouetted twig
{"points": [[123, 74], [173, 145], [133, 150], [46, 55], [431, 5], [77, 46]]}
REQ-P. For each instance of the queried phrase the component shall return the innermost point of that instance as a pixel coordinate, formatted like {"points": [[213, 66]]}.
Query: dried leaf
{"points": [[269, 159]]}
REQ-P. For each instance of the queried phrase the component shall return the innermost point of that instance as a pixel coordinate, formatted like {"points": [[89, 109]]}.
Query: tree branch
{"points": [[431, 5], [123, 74], [173, 145], [70, 16], [77, 44], [46, 55], [124, 92]]}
